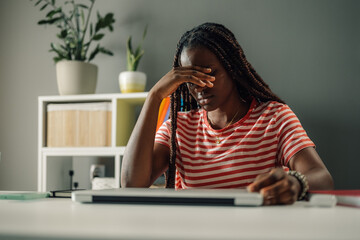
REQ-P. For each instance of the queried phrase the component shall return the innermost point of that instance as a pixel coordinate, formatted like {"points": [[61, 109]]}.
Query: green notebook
{"points": [[23, 195]]}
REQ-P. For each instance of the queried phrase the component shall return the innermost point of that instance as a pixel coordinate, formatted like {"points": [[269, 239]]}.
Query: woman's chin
{"points": [[207, 107]]}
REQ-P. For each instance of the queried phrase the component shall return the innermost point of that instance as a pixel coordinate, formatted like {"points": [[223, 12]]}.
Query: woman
{"points": [[227, 129]]}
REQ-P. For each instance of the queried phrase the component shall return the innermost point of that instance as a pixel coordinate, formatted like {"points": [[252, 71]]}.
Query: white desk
{"points": [[63, 219]]}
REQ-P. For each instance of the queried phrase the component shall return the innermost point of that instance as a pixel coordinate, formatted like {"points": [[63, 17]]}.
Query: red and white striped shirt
{"points": [[268, 136]]}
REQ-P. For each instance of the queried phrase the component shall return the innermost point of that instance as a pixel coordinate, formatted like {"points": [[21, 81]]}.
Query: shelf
{"points": [[54, 163], [83, 151], [135, 98]]}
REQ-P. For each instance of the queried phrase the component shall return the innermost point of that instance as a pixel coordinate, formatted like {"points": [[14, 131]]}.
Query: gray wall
{"points": [[307, 51]]}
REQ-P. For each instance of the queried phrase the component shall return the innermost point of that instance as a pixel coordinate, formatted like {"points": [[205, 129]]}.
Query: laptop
{"points": [[163, 196]]}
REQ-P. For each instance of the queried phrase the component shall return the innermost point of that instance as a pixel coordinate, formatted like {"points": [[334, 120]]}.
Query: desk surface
{"points": [[63, 219]]}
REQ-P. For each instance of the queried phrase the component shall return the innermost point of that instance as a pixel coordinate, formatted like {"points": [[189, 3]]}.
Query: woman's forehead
{"points": [[198, 56]]}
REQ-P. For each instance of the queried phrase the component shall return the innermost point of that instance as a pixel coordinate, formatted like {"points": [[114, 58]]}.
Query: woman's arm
{"points": [[137, 166], [309, 163], [277, 187], [143, 160]]}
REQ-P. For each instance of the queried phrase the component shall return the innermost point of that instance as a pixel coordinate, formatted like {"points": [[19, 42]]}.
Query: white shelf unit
{"points": [[55, 162]]}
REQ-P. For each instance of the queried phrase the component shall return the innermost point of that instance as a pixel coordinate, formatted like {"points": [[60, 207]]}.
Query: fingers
{"points": [[195, 75], [194, 81], [282, 192], [281, 199], [276, 187], [266, 179], [198, 76]]}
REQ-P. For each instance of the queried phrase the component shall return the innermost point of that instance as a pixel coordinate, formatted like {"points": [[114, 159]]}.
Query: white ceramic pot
{"points": [[132, 81], [76, 77]]}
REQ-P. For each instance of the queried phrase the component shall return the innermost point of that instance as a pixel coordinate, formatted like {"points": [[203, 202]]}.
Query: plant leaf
{"points": [[128, 58], [109, 19], [94, 52], [53, 20], [131, 63], [50, 21], [98, 25], [53, 12], [105, 51], [37, 3], [138, 57], [137, 51], [97, 37], [145, 31], [72, 13], [82, 6], [91, 29], [56, 49], [63, 47], [82, 17], [41, 22], [62, 34], [129, 47], [57, 59], [44, 6], [137, 60]]}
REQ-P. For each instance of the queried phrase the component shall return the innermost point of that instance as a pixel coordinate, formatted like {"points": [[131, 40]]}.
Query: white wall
{"points": [[308, 52]]}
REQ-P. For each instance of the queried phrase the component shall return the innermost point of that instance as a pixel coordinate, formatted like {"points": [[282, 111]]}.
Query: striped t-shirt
{"points": [[267, 137]]}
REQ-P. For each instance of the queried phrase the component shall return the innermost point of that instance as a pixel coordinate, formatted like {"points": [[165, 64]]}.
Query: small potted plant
{"points": [[133, 80], [75, 75]]}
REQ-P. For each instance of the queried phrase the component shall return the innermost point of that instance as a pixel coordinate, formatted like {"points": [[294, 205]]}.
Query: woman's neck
{"points": [[228, 115]]}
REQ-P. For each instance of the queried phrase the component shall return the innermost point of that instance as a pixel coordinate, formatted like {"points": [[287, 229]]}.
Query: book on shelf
{"points": [[349, 198]]}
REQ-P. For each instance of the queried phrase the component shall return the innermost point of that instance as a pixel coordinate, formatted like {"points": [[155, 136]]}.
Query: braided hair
{"points": [[222, 42]]}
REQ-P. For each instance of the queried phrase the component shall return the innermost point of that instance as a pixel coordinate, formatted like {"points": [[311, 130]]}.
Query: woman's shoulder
{"points": [[273, 105], [270, 108]]}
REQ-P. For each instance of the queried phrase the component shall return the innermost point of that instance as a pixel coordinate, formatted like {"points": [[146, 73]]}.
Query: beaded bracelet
{"points": [[303, 183]]}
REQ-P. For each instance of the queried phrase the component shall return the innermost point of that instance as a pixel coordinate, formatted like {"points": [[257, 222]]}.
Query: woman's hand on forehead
{"points": [[196, 75]]}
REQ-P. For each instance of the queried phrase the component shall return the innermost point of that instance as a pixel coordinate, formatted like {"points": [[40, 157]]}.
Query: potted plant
{"points": [[75, 75], [133, 80]]}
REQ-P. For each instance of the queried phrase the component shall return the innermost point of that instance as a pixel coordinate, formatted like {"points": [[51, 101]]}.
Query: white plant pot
{"points": [[132, 81], [76, 77]]}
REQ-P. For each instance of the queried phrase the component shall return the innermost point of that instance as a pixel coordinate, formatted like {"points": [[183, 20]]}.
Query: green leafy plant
{"points": [[133, 57], [70, 19]]}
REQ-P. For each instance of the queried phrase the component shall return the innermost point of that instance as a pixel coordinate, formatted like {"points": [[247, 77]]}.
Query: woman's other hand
{"points": [[277, 187], [179, 75]]}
